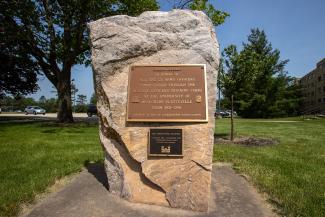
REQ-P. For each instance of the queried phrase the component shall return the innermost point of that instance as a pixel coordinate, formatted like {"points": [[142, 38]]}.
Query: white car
{"points": [[34, 110]]}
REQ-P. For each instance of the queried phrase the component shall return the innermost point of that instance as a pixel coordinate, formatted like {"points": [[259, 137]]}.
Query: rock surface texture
{"points": [[176, 37]]}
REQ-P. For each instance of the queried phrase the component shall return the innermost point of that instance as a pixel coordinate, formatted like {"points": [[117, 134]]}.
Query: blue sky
{"points": [[295, 27]]}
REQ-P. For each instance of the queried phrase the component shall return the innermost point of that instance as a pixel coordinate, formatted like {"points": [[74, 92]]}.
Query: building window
{"points": [[319, 90], [319, 78], [319, 100], [324, 88], [323, 76]]}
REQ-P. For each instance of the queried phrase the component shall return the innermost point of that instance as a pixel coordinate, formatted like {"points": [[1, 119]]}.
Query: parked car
{"points": [[220, 113], [91, 110], [34, 110], [224, 113], [229, 113]]}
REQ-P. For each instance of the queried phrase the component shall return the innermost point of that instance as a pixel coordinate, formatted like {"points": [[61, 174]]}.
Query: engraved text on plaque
{"points": [[167, 93]]}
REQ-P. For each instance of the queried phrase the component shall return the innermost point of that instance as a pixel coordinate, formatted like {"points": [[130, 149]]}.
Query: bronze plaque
{"points": [[165, 142], [167, 93]]}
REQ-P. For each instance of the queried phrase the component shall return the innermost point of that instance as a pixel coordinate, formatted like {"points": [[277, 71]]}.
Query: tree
{"points": [[82, 99], [42, 100], [257, 78], [217, 17], [93, 99], [18, 69], [50, 105], [81, 103], [51, 37], [9, 103]]}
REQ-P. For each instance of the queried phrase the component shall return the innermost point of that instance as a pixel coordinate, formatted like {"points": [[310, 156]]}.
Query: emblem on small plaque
{"points": [[165, 150], [165, 142]]}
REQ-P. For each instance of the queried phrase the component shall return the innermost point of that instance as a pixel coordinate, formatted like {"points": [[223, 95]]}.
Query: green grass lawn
{"points": [[34, 155], [292, 173]]}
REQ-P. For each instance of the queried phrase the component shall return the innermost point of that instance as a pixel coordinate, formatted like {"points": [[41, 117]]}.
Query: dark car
{"points": [[91, 110]]}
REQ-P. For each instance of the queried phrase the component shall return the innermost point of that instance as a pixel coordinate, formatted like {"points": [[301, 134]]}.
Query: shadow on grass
{"points": [[50, 131], [221, 135], [74, 125], [97, 169]]}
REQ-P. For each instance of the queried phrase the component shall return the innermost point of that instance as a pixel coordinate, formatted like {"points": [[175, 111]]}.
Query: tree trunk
{"points": [[64, 99]]}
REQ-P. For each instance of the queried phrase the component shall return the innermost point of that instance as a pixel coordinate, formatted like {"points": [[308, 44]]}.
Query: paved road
{"points": [[87, 196], [17, 117], [47, 115]]}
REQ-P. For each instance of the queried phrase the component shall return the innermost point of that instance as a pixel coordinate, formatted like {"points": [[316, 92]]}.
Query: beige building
{"points": [[313, 86]]}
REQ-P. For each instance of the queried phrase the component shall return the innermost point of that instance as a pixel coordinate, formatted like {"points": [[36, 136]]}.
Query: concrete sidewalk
{"points": [[87, 196]]}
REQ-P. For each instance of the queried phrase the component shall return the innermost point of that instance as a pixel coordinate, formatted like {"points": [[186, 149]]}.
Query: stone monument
{"points": [[155, 80]]}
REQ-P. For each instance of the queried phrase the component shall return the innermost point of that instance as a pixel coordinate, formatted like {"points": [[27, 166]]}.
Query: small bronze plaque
{"points": [[165, 142], [167, 93]]}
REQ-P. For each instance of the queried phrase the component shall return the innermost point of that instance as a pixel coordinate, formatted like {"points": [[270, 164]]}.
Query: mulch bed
{"points": [[246, 141]]}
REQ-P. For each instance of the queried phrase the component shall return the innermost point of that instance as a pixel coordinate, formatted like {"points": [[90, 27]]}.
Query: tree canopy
{"points": [[217, 17], [50, 36], [18, 69], [257, 78]]}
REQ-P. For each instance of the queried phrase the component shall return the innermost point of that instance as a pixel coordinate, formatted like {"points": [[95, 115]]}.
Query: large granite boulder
{"points": [[176, 37]]}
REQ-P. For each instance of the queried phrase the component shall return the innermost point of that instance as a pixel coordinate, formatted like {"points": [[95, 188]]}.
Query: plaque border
{"points": [[168, 120], [166, 155]]}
